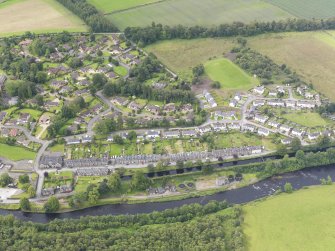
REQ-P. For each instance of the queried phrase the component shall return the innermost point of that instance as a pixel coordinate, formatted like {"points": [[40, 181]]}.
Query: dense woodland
{"points": [[91, 16], [190, 227], [157, 32]]}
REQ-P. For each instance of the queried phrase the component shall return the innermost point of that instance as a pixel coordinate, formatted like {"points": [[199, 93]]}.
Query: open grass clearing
{"points": [[16, 153], [37, 16], [229, 75], [182, 55], [307, 8], [299, 221], [308, 119], [205, 12], [310, 54], [108, 6]]}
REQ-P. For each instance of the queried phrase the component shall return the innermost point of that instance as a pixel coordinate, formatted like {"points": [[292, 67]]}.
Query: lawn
{"points": [[299, 221], [229, 140], [16, 153], [229, 75], [307, 8], [182, 55], [37, 16], [120, 70], [205, 13], [35, 114], [310, 54], [108, 6], [308, 119]]}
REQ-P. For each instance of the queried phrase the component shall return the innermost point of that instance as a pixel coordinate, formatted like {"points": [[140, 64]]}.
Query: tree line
{"points": [[156, 32], [91, 16], [190, 227]]}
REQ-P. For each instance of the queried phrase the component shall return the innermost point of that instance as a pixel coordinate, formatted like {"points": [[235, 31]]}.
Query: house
{"points": [[44, 119], [290, 104], [97, 108], [274, 124], [276, 103], [257, 103], [210, 99], [65, 90], [234, 126], [297, 132], [285, 128], [24, 118], [186, 108], [155, 109], [237, 96], [218, 127], [313, 136], [150, 135], [286, 141], [171, 134], [83, 82], [224, 115], [189, 133], [171, 107], [159, 85], [120, 101], [204, 129], [111, 75], [134, 106], [281, 89], [250, 128], [259, 90], [4, 132], [263, 132], [306, 104], [140, 136], [14, 132], [2, 116], [233, 103], [13, 101], [50, 104], [273, 93], [260, 118], [73, 141], [309, 95], [86, 139]]}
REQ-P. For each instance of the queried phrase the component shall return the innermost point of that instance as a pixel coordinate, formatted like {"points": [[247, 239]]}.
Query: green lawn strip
{"points": [[308, 119], [11, 153]]}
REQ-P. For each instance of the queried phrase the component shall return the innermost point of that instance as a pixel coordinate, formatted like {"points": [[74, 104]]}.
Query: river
{"points": [[261, 189]]}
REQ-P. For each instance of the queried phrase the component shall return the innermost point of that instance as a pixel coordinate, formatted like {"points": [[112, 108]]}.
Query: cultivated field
{"points": [[182, 55], [310, 54], [37, 16], [307, 8], [108, 6], [229, 75], [205, 12], [299, 221]]}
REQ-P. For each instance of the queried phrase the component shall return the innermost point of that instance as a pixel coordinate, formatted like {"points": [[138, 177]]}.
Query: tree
{"points": [[139, 181], [288, 187], [103, 187], [118, 139], [93, 196], [31, 192], [5, 180], [324, 141], [180, 164], [99, 80], [24, 178], [24, 204], [114, 182], [296, 144], [52, 205], [198, 70]]}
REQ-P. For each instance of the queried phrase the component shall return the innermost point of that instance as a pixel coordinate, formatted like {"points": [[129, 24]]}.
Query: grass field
{"points": [[205, 12], [310, 54], [182, 55], [310, 119], [299, 221], [37, 16], [307, 8], [229, 75], [108, 6], [16, 153]]}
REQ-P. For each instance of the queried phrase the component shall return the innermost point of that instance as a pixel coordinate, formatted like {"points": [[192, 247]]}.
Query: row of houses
{"points": [[306, 104], [209, 98]]}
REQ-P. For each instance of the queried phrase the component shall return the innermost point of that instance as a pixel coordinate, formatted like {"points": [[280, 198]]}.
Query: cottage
{"points": [[274, 124], [171, 134], [263, 132], [259, 90], [189, 133], [120, 101], [134, 106], [171, 107], [233, 103], [237, 96], [44, 119], [154, 109], [285, 128], [260, 118], [24, 118], [257, 103], [150, 135], [286, 141], [313, 136], [297, 132], [210, 99]]}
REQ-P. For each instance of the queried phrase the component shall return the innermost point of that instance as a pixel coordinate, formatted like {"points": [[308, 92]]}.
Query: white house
{"points": [[218, 127], [260, 118], [313, 136], [286, 141], [257, 103], [290, 104], [153, 135], [285, 128], [263, 132], [297, 132], [171, 134], [274, 124], [248, 127], [276, 102], [233, 103], [259, 90], [306, 104]]}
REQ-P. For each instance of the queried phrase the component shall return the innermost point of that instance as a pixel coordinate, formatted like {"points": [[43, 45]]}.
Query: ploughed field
{"points": [[303, 220], [190, 12], [18, 16]]}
